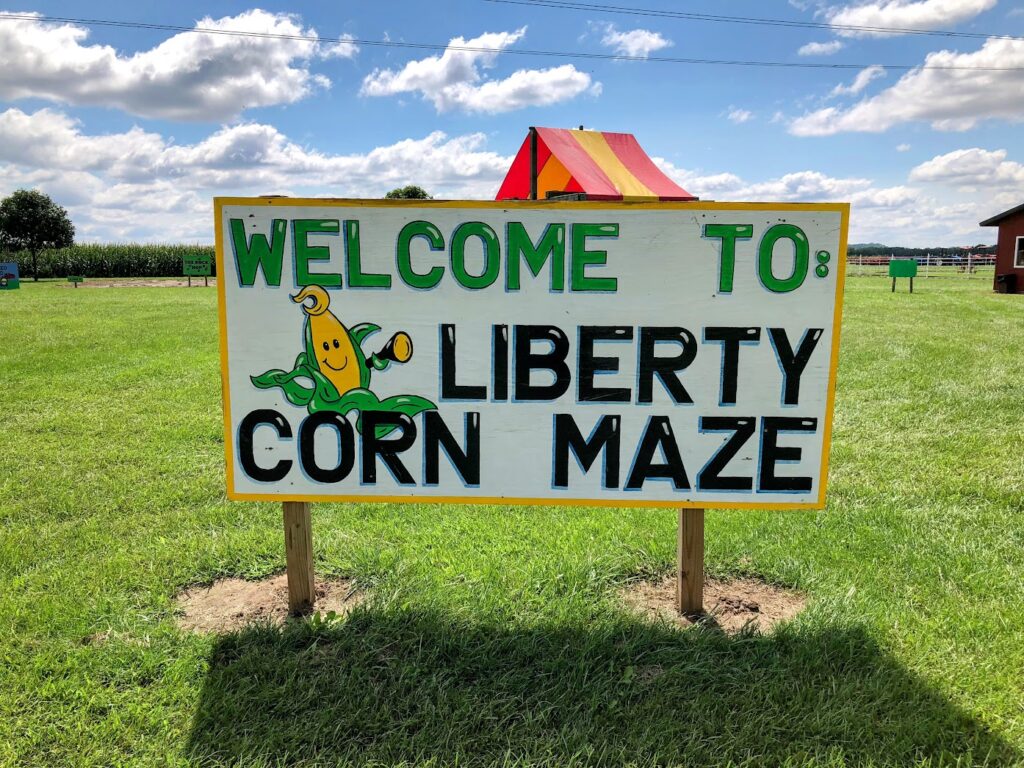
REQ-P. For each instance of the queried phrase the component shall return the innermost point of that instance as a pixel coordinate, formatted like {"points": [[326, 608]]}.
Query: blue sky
{"points": [[136, 130]]}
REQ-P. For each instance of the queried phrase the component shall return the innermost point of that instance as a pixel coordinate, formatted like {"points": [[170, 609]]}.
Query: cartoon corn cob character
{"points": [[337, 350]]}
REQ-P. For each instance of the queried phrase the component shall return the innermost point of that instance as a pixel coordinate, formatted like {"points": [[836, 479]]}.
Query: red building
{"points": [[1010, 251]]}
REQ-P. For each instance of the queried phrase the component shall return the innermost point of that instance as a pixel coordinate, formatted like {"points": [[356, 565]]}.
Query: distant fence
{"points": [[977, 266]]}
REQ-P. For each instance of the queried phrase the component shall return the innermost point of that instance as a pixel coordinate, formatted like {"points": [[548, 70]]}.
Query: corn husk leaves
{"points": [[306, 387]]}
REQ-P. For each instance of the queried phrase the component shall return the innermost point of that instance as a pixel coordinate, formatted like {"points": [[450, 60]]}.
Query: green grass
{"points": [[493, 635]]}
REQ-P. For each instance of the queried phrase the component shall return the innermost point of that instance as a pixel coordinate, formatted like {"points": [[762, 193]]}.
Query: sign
{"points": [[9, 279], [76, 279], [196, 266], [903, 268], [624, 354]]}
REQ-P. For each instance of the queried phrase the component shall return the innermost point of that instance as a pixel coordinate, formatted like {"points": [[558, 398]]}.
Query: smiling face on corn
{"points": [[330, 342]]}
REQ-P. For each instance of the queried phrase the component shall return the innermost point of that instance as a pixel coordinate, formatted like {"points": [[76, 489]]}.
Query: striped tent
{"points": [[603, 166]]}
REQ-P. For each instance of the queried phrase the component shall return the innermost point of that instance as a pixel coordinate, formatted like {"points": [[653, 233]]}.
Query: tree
{"points": [[411, 192], [31, 221]]}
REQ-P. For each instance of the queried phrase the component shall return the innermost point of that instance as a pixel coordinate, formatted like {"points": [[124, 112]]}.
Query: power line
{"points": [[574, 5], [584, 55]]}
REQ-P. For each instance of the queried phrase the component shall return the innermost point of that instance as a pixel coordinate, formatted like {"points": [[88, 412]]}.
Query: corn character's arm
{"points": [[398, 350]]}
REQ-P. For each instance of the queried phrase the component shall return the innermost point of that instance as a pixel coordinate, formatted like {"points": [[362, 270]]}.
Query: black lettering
{"points": [[449, 389], [246, 457], [590, 365], [387, 448], [658, 435], [730, 339], [436, 436], [793, 364], [526, 361], [346, 446], [665, 368], [500, 346], [605, 438], [710, 478], [772, 453]]}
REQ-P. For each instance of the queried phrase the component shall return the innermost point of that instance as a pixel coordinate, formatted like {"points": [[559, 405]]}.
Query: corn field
{"points": [[114, 260]]}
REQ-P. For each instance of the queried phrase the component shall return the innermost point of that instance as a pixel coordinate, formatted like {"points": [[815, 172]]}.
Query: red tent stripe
{"points": [[579, 163], [518, 176], [628, 150], [543, 153]]}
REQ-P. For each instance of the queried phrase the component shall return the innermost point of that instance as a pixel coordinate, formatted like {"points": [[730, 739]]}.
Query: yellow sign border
{"points": [[841, 208]]}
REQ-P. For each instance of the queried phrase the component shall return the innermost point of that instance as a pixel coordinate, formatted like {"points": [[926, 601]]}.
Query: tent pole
{"points": [[533, 163]]}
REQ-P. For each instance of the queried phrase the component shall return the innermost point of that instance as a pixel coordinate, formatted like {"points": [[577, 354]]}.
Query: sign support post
{"points": [[298, 547], [690, 562]]}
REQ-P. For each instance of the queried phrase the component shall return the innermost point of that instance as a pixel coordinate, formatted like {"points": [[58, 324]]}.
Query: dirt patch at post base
{"points": [[230, 604], [731, 605]]}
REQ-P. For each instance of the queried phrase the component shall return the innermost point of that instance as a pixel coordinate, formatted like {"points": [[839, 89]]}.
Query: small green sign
{"points": [[9, 279], [196, 266], [903, 268], [76, 279]]}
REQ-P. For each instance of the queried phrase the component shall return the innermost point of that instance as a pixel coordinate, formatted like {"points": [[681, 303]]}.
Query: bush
{"points": [[116, 260]]}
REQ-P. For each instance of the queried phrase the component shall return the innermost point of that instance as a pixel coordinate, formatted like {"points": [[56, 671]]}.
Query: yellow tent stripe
{"points": [[595, 145]]}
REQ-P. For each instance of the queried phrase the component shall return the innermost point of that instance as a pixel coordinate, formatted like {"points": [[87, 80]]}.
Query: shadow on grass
{"points": [[414, 686]]}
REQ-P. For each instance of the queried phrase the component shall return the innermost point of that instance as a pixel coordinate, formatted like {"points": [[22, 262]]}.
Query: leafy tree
{"points": [[411, 192], [31, 221]]}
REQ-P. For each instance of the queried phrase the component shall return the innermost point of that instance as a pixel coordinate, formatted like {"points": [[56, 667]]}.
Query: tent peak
{"points": [[601, 165]]}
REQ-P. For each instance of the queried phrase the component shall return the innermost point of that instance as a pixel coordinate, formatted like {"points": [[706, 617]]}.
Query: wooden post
{"points": [[298, 548], [690, 562], [533, 163]]}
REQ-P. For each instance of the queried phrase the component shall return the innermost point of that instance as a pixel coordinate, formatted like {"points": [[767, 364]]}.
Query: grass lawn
{"points": [[493, 635]]}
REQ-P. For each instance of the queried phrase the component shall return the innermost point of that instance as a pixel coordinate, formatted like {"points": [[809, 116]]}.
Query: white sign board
{"points": [[652, 354]]}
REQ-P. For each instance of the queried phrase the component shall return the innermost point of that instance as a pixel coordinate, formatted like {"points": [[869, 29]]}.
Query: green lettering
{"points": [[255, 254], [766, 253], [552, 244], [424, 229], [305, 253], [582, 258], [354, 263], [491, 249], [728, 234]]}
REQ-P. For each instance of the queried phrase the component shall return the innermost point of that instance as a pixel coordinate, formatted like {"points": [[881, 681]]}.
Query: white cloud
{"points": [[950, 99], [906, 14], [340, 50], [189, 76], [740, 115], [821, 49], [634, 42], [903, 147], [901, 214], [860, 82], [974, 168], [111, 183], [453, 80]]}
